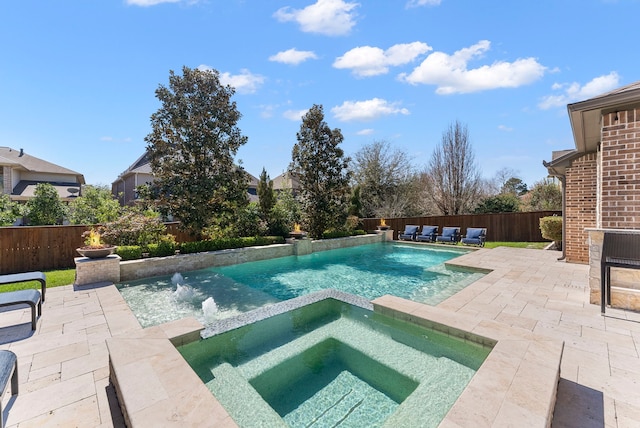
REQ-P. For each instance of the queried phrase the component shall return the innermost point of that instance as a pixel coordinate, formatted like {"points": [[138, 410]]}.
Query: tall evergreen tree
{"points": [[322, 169], [191, 148], [267, 198]]}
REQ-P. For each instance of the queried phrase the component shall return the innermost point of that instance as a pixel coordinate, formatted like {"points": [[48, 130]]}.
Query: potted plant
{"points": [[94, 248]]}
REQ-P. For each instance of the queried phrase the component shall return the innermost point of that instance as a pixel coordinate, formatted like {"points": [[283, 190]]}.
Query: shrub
{"points": [[134, 228], [129, 252], [164, 248], [551, 228], [168, 247], [249, 222]]}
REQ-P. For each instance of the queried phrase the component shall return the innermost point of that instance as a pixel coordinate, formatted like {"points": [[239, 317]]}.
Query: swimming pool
{"points": [[333, 363], [409, 271]]}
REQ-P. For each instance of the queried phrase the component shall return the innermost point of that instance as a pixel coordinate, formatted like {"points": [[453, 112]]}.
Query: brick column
{"points": [[580, 207]]}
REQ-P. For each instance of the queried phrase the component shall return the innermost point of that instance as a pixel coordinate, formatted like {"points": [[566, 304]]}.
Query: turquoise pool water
{"points": [[412, 272], [330, 363]]}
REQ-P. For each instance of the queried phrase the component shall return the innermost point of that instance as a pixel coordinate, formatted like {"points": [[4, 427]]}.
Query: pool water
{"points": [[413, 272], [331, 363]]}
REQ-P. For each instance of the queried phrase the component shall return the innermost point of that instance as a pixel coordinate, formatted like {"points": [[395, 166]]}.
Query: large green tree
{"points": [[96, 205], [545, 194], [323, 172], [191, 149], [9, 210], [46, 207]]}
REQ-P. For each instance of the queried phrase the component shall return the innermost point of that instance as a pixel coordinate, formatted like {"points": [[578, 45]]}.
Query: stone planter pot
{"points": [[96, 253]]}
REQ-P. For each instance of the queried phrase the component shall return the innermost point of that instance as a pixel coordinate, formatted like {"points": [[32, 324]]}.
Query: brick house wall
{"points": [[580, 206], [620, 151]]}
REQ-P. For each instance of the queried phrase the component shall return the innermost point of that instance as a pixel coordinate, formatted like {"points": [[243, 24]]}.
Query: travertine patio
{"points": [[64, 365]]}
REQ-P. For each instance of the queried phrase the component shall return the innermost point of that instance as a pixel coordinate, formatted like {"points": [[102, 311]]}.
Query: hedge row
{"points": [[133, 252]]}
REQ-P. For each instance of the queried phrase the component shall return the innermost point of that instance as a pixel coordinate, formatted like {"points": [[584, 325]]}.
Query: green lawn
{"points": [[55, 278]]}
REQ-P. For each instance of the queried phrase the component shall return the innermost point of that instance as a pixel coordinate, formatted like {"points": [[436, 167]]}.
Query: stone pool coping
{"points": [[517, 382]]}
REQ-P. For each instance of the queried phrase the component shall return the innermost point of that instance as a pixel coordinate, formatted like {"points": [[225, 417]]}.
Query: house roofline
{"points": [[585, 116]]}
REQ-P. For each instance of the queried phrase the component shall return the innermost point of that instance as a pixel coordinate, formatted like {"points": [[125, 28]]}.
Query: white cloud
{"points": [[572, 92], [366, 131], [505, 128], [451, 73], [418, 3], [244, 83], [292, 56], [366, 110], [328, 17], [295, 115], [145, 3], [371, 61]]}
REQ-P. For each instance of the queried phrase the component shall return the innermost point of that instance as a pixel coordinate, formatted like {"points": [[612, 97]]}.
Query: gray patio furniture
{"points": [[15, 278], [18, 299], [475, 236], [8, 370], [620, 250], [450, 235], [410, 232], [427, 234]]}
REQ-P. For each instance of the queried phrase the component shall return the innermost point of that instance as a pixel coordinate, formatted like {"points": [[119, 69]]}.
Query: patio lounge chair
{"points": [[428, 234], [450, 235], [8, 371], [475, 236], [410, 232]]}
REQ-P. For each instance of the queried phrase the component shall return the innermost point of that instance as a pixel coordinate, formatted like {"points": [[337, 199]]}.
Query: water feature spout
{"points": [[184, 293], [209, 308], [177, 278]]}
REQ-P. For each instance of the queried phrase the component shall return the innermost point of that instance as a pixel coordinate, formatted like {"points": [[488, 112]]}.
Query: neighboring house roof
{"points": [[143, 166], [585, 115], [286, 180], [140, 166], [20, 159], [26, 189]]}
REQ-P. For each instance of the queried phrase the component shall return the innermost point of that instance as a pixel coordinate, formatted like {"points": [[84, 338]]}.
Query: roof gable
{"points": [[19, 159]]}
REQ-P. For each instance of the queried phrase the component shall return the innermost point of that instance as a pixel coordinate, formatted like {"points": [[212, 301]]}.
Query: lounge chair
{"points": [[475, 236], [8, 372], [450, 235], [410, 232], [428, 234]]}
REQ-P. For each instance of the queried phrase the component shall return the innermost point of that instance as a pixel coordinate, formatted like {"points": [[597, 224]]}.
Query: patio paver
{"points": [[64, 374]]}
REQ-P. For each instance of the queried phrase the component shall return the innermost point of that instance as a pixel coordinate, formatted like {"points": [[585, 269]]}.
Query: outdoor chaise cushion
{"points": [[449, 234], [428, 234], [8, 370], [410, 232], [475, 236]]}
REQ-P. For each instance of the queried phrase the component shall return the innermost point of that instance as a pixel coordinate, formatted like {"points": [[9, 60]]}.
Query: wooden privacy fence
{"points": [[502, 227], [28, 248]]}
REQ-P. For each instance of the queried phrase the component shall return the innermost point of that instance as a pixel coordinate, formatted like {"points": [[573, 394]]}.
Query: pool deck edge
{"points": [[517, 381]]}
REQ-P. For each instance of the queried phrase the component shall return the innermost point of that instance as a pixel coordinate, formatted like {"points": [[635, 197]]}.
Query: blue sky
{"points": [[78, 77]]}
